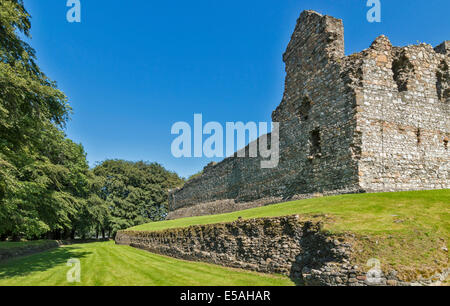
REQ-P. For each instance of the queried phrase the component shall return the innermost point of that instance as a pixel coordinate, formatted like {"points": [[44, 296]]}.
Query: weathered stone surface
{"points": [[369, 122], [283, 245]]}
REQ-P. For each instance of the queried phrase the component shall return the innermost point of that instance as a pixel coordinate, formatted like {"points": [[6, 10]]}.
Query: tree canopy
{"points": [[46, 186], [135, 192]]}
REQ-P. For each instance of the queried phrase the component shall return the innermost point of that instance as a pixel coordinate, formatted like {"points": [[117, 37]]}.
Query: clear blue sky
{"points": [[133, 68]]}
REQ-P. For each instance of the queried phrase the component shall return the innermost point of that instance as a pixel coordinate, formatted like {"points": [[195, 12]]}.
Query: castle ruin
{"points": [[375, 121]]}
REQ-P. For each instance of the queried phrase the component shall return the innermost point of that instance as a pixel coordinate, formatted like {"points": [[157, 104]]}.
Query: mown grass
{"points": [[406, 231], [107, 264]]}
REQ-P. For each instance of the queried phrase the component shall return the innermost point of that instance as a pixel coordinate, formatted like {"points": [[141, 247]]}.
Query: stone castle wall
{"points": [[404, 117], [316, 101], [373, 121]]}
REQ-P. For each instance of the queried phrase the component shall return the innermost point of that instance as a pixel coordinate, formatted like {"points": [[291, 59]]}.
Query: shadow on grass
{"points": [[39, 262]]}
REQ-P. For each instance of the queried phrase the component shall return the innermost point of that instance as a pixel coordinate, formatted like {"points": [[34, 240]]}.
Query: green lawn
{"points": [[360, 213], [104, 263]]}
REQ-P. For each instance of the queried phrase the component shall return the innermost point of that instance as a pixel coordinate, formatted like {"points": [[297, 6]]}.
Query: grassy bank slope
{"points": [[9, 250], [407, 231], [22, 244], [104, 263], [359, 213]]}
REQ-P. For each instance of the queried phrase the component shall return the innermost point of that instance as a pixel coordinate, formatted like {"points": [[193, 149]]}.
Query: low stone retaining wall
{"points": [[6, 254], [264, 245], [283, 245]]}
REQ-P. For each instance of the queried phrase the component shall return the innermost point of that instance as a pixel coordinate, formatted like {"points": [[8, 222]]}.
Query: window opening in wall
{"points": [[403, 71], [315, 142], [443, 81], [304, 108]]}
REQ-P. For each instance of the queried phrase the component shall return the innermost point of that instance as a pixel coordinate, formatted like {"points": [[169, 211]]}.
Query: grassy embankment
{"points": [[407, 231], [21, 244], [104, 264]]}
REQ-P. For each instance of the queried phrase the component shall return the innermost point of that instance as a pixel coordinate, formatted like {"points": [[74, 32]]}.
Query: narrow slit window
{"points": [[304, 109], [443, 81], [316, 143]]}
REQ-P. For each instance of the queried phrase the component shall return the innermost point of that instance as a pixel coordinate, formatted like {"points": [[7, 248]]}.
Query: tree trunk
{"points": [[103, 233], [65, 234]]}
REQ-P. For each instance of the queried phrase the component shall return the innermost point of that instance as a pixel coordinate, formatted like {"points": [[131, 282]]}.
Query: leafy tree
{"points": [[27, 97], [95, 216], [51, 187], [46, 187], [42, 174], [136, 193]]}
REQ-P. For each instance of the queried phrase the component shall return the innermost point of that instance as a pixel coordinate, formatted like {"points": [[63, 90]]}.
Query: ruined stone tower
{"points": [[374, 121]]}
